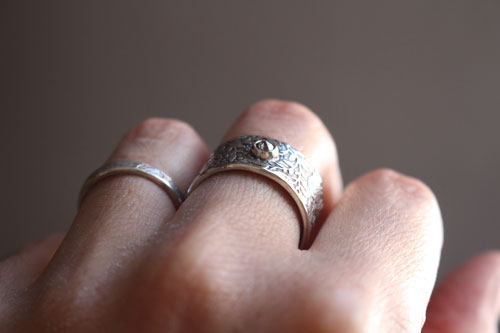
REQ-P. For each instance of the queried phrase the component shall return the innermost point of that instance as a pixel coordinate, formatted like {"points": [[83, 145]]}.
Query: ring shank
{"points": [[133, 168], [306, 228]]}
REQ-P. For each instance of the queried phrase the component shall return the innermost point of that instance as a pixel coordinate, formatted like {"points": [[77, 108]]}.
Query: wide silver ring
{"points": [[279, 162], [134, 168]]}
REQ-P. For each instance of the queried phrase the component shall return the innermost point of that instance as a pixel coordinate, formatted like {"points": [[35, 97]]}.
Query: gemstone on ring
{"points": [[266, 150]]}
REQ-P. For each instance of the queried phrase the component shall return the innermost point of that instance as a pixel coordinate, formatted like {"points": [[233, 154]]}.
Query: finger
{"points": [[385, 235], [468, 300], [23, 268], [120, 215], [236, 236], [261, 212]]}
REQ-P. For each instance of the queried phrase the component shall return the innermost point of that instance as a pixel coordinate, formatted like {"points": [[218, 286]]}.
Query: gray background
{"points": [[412, 85]]}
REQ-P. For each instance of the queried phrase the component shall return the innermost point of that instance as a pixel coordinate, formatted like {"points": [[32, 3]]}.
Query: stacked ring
{"points": [[134, 168]]}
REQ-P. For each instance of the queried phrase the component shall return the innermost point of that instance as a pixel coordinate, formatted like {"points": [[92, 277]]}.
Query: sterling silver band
{"points": [[278, 161], [134, 168]]}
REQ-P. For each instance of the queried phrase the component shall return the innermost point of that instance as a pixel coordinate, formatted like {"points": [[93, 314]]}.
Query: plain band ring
{"points": [[277, 161], [134, 168]]}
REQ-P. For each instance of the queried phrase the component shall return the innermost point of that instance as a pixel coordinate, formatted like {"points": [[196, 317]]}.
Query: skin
{"points": [[227, 260]]}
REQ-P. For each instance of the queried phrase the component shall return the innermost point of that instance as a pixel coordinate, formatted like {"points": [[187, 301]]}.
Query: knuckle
{"points": [[390, 181], [297, 123], [195, 272], [404, 199], [161, 128], [209, 274], [291, 111], [338, 309], [153, 136]]}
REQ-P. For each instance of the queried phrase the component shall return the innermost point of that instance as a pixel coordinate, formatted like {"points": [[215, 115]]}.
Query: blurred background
{"points": [[411, 85]]}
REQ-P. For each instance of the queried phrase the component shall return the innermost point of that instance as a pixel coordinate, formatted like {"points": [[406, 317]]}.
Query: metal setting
{"points": [[134, 168], [278, 161], [266, 149]]}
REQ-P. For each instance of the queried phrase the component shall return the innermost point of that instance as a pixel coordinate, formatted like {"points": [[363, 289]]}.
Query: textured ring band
{"points": [[278, 161], [134, 168]]}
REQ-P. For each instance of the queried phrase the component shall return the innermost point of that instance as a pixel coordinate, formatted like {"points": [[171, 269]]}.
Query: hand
{"points": [[228, 261]]}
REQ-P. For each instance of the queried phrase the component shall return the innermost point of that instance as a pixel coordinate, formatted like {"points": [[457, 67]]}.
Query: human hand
{"points": [[227, 259]]}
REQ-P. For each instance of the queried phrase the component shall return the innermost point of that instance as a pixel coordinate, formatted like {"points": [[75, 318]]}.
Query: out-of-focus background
{"points": [[412, 85]]}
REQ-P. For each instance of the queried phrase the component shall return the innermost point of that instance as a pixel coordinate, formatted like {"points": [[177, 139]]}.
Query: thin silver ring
{"points": [[134, 168], [277, 161]]}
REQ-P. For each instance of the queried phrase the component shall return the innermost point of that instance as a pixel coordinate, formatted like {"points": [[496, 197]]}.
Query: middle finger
{"points": [[250, 210]]}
